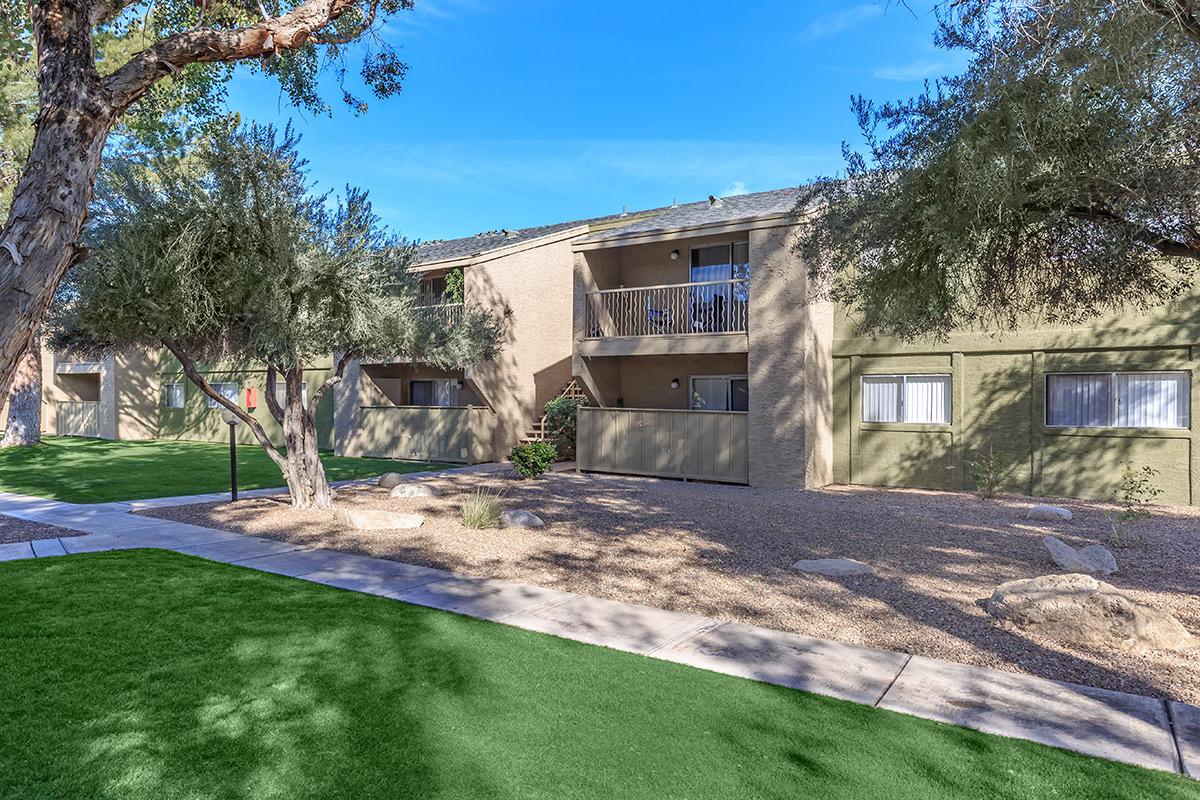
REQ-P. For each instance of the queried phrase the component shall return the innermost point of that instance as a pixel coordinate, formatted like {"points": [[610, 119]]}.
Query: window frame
{"points": [[733, 274], [1114, 399], [182, 395], [281, 388], [904, 376], [728, 391], [237, 391]]}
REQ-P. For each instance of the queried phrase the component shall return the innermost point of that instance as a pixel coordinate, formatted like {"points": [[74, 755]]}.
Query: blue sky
{"points": [[524, 112]]}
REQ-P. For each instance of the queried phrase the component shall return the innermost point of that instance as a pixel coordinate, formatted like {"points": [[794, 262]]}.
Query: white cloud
{"points": [[734, 188], [923, 69], [831, 24]]}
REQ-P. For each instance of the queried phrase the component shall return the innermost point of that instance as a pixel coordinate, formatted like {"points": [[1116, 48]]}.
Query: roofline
{"points": [[615, 239], [483, 256]]}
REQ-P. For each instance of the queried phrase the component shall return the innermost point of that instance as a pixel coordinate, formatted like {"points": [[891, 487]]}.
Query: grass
{"points": [[97, 471], [148, 674]]}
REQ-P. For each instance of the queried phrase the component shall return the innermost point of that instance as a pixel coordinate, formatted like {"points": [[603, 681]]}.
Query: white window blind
{"points": [[172, 395], [1118, 400], [227, 390], [281, 392], [923, 399]]}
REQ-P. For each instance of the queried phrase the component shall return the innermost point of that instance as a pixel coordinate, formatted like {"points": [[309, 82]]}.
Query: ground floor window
{"points": [[281, 392], [922, 399], [1118, 400], [436, 392], [720, 393], [227, 390], [172, 396]]}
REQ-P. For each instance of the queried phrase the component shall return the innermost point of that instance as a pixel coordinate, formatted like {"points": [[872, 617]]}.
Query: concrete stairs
{"points": [[537, 429]]}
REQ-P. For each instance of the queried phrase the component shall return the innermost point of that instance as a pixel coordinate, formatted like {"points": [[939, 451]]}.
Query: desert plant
{"points": [[482, 509], [1133, 495], [455, 286], [560, 425], [532, 459], [987, 470]]}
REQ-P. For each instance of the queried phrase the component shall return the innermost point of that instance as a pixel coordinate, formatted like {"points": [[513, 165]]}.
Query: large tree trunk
{"points": [[49, 206], [305, 474], [24, 425]]}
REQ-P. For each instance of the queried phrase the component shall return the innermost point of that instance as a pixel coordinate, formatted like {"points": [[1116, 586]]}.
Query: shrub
{"points": [[482, 509], [560, 425], [1134, 495], [531, 459], [987, 470]]}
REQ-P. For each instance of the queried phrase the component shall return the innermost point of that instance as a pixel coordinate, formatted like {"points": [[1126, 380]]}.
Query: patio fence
{"points": [[699, 445], [428, 433], [77, 418]]}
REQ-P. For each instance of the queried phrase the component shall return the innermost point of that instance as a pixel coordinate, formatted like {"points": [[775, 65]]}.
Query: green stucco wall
{"points": [[998, 398], [197, 422]]}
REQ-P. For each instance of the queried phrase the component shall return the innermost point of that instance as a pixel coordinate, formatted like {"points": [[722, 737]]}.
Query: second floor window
{"points": [[432, 291], [719, 307]]}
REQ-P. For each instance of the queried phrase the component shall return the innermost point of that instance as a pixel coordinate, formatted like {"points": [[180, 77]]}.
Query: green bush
{"points": [[1134, 496], [560, 425], [482, 509], [988, 470], [531, 459]]}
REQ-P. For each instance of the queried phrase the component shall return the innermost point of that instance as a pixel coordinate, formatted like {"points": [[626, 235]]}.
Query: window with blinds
{"points": [[1118, 400], [922, 399], [227, 390], [173, 395]]}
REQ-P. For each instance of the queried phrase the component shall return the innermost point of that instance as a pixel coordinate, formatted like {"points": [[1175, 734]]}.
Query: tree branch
{"points": [[1183, 13], [189, 369], [330, 382], [272, 402], [1172, 248], [290, 31]]}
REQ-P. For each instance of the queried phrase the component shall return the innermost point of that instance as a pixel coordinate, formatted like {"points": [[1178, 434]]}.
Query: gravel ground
{"points": [[724, 552], [19, 530]]}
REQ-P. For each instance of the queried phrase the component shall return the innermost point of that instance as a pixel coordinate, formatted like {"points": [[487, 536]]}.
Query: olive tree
{"points": [[81, 99], [230, 256], [1057, 178]]}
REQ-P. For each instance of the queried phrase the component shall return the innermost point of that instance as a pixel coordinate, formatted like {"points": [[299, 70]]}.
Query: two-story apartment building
{"points": [[692, 332]]}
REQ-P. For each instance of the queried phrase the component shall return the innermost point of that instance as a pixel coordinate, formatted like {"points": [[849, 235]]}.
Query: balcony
{"points": [[66, 366], [446, 314], [697, 317]]}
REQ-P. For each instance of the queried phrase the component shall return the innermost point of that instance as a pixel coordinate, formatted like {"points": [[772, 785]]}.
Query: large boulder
{"points": [[390, 479], [833, 567], [369, 519], [1082, 610], [520, 519], [1045, 513], [1093, 559], [415, 490]]}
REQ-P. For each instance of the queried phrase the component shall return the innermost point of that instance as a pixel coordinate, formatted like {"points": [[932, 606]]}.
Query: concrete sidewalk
{"points": [[1153, 733]]}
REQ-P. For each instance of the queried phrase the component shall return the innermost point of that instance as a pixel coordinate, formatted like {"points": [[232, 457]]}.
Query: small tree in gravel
{"points": [[1134, 495], [230, 255], [987, 470]]}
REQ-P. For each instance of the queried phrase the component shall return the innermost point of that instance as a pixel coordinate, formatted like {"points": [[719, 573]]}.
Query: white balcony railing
{"points": [[684, 308]]}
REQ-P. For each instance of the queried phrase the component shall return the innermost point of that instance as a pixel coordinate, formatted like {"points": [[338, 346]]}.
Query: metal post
{"points": [[233, 462]]}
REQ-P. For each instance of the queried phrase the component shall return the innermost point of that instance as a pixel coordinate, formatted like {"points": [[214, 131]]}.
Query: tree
{"points": [[23, 427], [1057, 178], [230, 256], [80, 102]]}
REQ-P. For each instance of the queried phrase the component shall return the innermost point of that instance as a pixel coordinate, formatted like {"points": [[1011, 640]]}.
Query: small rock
{"points": [[415, 490], [1093, 559], [1046, 513], [367, 519], [833, 566], [520, 519], [1082, 610], [389, 479]]}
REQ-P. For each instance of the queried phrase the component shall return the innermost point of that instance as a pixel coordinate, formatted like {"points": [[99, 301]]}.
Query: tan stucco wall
{"points": [[391, 383], [645, 381], [534, 363]]}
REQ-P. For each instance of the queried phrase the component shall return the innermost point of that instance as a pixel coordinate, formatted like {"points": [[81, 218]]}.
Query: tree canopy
{"points": [[230, 255], [1057, 178]]}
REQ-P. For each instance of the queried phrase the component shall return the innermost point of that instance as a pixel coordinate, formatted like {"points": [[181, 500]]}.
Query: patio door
{"points": [[719, 307], [720, 393], [436, 392]]}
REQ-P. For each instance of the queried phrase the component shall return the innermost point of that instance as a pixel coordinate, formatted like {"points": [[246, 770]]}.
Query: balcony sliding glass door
{"points": [[719, 307]]}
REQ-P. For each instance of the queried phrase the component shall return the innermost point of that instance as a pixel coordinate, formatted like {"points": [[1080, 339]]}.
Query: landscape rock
{"points": [[1093, 559], [368, 519], [390, 479], [520, 519], [415, 490], [1045, 513], [1082, 610], [833, 566]]}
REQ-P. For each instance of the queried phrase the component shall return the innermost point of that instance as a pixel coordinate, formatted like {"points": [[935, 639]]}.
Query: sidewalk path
{"points": [[1153, 733]]}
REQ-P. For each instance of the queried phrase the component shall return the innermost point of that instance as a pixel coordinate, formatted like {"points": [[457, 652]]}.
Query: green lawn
{"points": [[148, 674], [97, 471]]}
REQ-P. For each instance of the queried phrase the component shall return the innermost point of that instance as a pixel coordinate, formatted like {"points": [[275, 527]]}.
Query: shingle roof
{"points": [[665, 218]]}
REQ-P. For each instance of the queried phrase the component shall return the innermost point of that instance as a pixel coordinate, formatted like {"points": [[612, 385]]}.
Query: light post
{"points": [[232, 420]]}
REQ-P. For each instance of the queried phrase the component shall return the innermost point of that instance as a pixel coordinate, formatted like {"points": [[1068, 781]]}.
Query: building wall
{"points": [[645, 381], [998, 399], [534, 363]]}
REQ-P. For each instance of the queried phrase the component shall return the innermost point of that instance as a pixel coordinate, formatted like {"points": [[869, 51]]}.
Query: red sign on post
{"points": [[251, 398]]}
